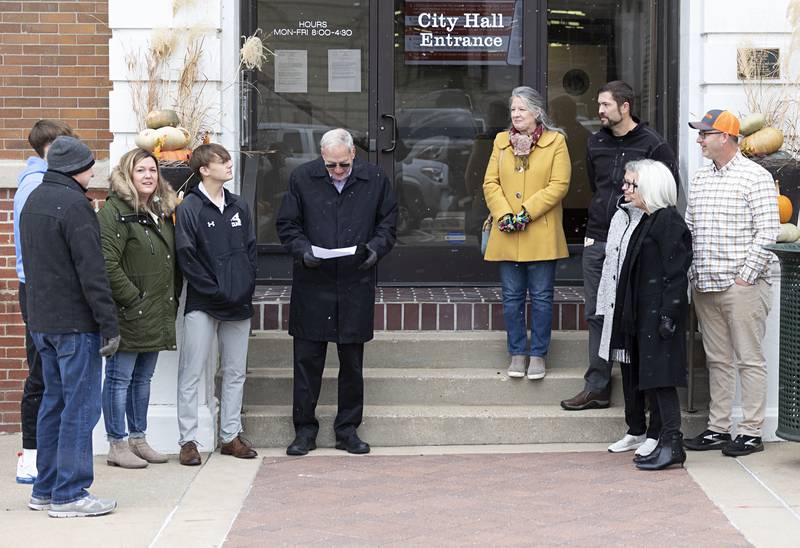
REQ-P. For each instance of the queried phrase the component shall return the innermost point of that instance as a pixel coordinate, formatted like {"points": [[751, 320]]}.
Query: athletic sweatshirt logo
{"points": [[236, 221]]}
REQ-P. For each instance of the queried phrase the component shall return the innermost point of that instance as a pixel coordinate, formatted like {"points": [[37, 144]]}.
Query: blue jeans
{"points": [[126, 390], [517, 279], [70, 408]]}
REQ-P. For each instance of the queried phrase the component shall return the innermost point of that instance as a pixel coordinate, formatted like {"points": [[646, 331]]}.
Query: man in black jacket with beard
{"points": [[336, 201], [623, 138]]}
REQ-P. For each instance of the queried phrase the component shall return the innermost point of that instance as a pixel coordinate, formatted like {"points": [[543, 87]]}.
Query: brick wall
{"points": [[53, 64]]}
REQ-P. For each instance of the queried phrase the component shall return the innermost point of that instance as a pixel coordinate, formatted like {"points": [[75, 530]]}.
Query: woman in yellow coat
{"points": [[526, 180]]}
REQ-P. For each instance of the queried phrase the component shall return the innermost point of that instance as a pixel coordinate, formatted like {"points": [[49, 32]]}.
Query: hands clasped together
{"points": [[514, 223]]}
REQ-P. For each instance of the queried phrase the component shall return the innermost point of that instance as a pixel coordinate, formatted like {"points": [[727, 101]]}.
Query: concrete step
{"points": [[427, 349], [461, 386], [399, 386], [417, 349], [408, 425]]}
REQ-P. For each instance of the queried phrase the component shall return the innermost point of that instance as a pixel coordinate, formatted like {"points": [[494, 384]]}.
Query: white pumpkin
{"points": [[146, 139], [175, 138]]}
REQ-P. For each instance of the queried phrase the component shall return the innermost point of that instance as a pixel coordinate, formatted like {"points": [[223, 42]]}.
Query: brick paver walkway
{"points": [[543, 499]]}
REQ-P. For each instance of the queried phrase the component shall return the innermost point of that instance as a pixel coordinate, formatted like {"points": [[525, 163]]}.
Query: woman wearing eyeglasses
{"points": [[526, 180], [651, 306]]}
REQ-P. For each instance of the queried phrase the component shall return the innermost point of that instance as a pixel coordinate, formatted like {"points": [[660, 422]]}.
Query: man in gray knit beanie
{"points": [[73, 322]]}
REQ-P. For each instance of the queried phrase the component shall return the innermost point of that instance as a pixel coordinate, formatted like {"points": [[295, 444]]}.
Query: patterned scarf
{"points": [[523, 144]]}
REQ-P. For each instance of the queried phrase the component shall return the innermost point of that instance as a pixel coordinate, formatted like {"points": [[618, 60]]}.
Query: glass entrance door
{"points": [[453, 67], [423, 85]]}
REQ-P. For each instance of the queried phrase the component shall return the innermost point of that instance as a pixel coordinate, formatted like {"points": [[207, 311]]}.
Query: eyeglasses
{"points": [[704, 134], [334, 165], [629, 184]]}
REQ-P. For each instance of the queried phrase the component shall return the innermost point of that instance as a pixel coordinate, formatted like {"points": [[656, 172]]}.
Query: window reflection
{"points": [[589, 44]]}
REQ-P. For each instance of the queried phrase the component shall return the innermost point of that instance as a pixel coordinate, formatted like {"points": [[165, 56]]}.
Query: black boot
{"points": [[669, 451]]}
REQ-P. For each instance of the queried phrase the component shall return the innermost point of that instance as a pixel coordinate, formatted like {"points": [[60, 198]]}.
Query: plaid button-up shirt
{"points": [[732, 213]]}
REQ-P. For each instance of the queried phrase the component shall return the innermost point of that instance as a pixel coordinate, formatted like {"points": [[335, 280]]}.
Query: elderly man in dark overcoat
{"points": [[335, 201]]}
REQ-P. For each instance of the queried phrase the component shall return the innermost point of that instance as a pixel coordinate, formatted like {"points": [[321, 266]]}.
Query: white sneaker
{"points": [[26, 467], [647, 447], [627, 443], [86, 507]]}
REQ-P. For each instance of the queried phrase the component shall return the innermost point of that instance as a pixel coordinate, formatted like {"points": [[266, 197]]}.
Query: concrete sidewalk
{"points": [[172, 505]]}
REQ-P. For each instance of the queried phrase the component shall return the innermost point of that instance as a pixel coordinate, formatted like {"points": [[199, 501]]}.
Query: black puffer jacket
{"points": [[607, 155], [65, 275], [217, 255]]}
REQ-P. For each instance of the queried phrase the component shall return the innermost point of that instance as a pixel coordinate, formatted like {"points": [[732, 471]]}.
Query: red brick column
{"points": [[13, 369], [54, 64]]}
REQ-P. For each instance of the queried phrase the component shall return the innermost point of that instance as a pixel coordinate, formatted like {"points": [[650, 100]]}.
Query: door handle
{"points": [[394, 133]]}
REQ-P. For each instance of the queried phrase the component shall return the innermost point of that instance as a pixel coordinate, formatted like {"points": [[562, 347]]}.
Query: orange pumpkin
{"points": [[784, 208], [180, 155]]}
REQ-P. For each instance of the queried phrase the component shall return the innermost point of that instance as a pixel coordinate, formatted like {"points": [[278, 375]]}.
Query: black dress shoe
{"points": [[301, 446], [353, 444]]}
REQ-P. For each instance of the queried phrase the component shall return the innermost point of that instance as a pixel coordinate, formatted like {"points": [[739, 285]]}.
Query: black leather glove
{"points": [[371, 259], [310, 260], [666, 327], [110, 346]]}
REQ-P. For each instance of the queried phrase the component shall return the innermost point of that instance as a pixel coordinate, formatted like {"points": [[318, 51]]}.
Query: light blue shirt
{"points": [[28, 180]]}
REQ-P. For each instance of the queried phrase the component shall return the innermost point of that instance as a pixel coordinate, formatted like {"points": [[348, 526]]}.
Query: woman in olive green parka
{"points": [[138, 239]]}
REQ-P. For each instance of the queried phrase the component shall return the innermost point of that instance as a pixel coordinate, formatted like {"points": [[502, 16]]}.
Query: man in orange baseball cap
{"points": [[720, 120], [732, 214]]}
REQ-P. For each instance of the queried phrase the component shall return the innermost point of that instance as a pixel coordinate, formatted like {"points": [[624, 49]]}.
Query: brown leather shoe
{"points": [[587, 400], [189, 455], [239, 448]]}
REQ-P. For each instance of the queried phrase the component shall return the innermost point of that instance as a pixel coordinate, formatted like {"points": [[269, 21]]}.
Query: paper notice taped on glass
{"points": [[323, 253]]}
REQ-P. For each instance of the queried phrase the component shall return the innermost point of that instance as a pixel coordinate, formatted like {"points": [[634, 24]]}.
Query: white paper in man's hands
{"points": [[323, 253]]}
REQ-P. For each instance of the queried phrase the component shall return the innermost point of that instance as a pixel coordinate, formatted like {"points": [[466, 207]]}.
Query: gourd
{"points": [[784, 208], [160, 118], [175, 138], [180, 155], [752, 123], [169, 138], [764, 141], [788, 233], [146, 139]]}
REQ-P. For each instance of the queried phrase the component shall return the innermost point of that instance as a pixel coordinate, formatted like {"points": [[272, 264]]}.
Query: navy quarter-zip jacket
{"points": [[216, 253]]}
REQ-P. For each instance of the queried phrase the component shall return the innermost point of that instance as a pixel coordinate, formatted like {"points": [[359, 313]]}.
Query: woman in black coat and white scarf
{"points": [[651, 305]]}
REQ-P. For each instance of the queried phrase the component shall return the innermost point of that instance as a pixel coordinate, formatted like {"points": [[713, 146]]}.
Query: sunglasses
{"points": [[334, 165]]}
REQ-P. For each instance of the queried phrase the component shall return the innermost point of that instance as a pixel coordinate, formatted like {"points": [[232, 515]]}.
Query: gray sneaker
{"points": [[536, 369], [83, 508], [517, 368], [36, 503]]}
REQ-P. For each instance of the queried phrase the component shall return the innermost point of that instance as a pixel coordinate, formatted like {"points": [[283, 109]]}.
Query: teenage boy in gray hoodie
{"points": [[42, 135]]}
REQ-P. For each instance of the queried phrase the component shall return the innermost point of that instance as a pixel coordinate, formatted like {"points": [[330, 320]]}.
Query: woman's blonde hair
{"points": [[656, 185], [160, 202]]}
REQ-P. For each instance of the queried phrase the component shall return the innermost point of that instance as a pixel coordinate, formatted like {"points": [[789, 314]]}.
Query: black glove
{"points": [[310, 260], [110, 346], [666, 327], [371, 259]]}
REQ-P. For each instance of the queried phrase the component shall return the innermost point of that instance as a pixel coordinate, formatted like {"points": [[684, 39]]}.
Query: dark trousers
{"points": [[635, 405], [669, 407], [309, 362], [34, 384], [598, 375]]}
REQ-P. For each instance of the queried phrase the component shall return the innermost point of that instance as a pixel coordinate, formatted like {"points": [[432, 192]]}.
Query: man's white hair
{"points": [[657, 187], [336, 137]]}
